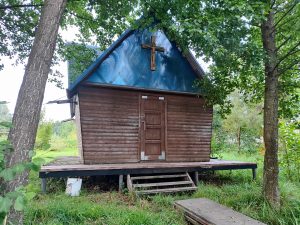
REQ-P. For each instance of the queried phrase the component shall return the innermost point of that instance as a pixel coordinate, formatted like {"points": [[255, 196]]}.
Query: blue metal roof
{"points": [[125, 63]]}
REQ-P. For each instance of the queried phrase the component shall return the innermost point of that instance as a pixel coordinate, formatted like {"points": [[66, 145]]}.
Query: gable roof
{"points": [[106, 54]]}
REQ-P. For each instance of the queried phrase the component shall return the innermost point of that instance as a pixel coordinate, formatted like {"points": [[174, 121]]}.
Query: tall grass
{"points": [[106, 208]]}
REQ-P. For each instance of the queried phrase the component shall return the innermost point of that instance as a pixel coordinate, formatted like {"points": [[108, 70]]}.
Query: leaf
{"points": [[6, 124], [19, 168], [8, 174], [38, 161], [30, 195], [20, 203], [5, 145], [33, 166], [5, 204], [13, 194]]}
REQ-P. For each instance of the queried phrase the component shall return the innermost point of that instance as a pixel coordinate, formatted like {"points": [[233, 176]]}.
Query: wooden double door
{"points": [[153, 127]]}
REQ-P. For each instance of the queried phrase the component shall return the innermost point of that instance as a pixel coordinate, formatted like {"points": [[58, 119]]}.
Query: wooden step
{"points": [[166, 190], [162, 184], [158, 176]]}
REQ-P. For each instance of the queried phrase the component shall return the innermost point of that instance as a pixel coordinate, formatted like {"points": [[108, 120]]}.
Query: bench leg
{"points": [[43, 185], [254, 173], [121, 183]]}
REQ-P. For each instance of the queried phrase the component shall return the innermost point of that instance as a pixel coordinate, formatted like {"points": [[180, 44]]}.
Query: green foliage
{"points": [[43, 137], [115, 208], [241, 130], [4, 113], [79, 58], [97, 23], [290, 150], [64, 136], [17, 26], [94, 208], [17, 198]]}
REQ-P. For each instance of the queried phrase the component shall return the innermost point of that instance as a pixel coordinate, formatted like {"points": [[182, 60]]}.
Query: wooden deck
{"points": [[73, 166]]}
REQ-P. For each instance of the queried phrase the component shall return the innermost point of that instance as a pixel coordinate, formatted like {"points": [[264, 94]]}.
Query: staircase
{"points": [[160, 183]]}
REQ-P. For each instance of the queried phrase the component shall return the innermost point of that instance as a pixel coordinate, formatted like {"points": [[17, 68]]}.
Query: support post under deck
{"points": [[43, 185], [121, 182], [196, 178], [254, 173]]}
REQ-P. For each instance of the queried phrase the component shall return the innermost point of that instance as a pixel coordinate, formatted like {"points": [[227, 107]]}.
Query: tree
{"points": [[26, 115], [4, 113], [27, 112], [43, 136], [243, 121], [252, 46]]}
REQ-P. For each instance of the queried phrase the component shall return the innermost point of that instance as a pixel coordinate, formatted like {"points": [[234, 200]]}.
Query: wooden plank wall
{"points": [[110, 125], [189, 129]]}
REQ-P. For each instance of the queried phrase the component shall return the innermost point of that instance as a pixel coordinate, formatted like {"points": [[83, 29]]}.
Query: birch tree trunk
{"points": [[270, 177], [28, 107]]}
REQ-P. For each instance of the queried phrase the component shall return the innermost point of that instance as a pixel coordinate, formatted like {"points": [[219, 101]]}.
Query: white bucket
{"points": [[73, 186]]}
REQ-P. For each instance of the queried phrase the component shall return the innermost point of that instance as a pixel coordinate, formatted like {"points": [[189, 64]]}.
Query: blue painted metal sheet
{"points": [[129, 65]]}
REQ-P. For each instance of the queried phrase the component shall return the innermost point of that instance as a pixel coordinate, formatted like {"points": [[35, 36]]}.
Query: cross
{"points": [[153, 48]]}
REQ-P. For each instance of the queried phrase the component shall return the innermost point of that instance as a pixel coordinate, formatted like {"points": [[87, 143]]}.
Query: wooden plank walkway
{"points": [[202, 211]]}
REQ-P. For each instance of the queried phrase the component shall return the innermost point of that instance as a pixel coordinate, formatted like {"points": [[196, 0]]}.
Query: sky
{"points": [[11, 79], [10, 82]]}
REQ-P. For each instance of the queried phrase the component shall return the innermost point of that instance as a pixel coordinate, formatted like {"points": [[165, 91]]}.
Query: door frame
{"points": [[141, 154]]}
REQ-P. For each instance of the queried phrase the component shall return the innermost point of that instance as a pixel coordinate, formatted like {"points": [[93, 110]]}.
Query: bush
{"points": [[43, 137], [290, 150]]}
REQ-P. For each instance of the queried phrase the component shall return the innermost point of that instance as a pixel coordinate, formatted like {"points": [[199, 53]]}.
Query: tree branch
{"points": [[80, 17], [4, 7], [283, 43], [289, 53], [272, 3], [289, 67], [286, 13]]}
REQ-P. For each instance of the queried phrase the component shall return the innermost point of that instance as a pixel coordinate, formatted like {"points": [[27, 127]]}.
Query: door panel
{"points": [[152, 128]]}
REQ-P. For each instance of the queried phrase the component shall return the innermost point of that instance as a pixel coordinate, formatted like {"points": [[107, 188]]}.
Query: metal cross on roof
{"points": [[153, 48]]}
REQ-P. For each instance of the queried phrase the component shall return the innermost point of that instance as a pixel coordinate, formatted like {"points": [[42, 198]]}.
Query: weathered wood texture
{"points": [[109, 125], [205, 211], [73, 163], [112, 126], [188, 130], [78, 127]]}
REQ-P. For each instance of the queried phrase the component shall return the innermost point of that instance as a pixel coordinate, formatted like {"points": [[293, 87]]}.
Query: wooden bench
{"points": [[202, 211]]}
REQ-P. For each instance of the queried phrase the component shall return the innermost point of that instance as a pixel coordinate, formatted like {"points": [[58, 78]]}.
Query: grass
{"points": [[49, 155], [234, 189], [95, 208]]}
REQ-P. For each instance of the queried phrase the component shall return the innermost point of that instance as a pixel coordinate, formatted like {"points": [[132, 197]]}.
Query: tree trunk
{"points": [[270, 178], [239, 139], [31, 94]]}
